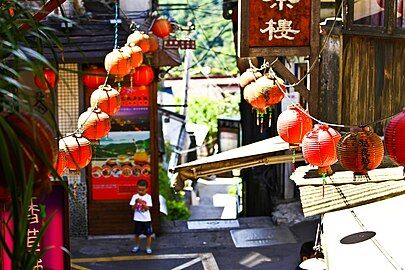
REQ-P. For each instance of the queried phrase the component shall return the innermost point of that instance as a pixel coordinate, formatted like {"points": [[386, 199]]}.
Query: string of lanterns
{"points": [[360, 150], [75, 150]]}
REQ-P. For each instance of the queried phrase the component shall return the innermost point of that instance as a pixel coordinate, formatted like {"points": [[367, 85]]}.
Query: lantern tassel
{"points": [[293, 161], [269, 111], [323, 184]]}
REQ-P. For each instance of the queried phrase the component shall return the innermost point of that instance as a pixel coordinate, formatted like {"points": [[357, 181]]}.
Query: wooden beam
{"points": [[284, 72], [44, 11]]}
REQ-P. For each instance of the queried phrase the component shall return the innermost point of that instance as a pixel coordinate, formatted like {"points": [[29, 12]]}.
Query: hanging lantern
{"points": [[293, 124], [143, 75], [60, 165], [319, 148], [153, 43], [94, 123], [249, 76], [265, 92], [78, 151], [136, 55], [107, 99], [118, 64], [394, 138], [139, 39], [32, 131], [96, 78], [48, 82], [161, 27], [360, 150]]}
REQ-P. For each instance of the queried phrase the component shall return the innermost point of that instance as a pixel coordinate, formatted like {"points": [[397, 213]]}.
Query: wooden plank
{"points": [[313, 59], [243, 28], [284, 72], [278, 51]]}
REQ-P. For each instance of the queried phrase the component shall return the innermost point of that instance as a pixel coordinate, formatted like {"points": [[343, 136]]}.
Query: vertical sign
{"points": [[276, 27], [55, 240], [123, 157]]}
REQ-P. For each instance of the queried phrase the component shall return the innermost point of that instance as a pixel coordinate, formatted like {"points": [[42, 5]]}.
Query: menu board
{"points": [[122, 158]]}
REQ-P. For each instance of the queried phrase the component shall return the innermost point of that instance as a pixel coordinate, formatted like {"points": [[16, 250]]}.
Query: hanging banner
{"points": [[276, 27]]}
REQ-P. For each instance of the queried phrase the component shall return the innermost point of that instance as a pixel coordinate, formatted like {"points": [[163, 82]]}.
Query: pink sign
{"points": [[54, 240]]}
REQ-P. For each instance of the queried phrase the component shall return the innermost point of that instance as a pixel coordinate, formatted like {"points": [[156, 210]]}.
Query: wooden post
{"points": [[314, 61]]}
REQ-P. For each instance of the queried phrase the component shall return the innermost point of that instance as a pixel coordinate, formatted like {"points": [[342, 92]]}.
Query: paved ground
{"points": [[180, 248]]}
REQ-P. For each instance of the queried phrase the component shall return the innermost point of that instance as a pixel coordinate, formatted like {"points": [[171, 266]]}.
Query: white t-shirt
{"points": [[138, 214]]}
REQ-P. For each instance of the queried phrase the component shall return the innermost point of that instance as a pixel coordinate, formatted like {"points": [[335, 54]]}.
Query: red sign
{"points": [[279, 23], [277, 27], [55, 239]]}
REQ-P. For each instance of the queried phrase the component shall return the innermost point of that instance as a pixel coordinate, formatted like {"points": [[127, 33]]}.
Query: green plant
{"points": [[22, 41], [176, 207]]}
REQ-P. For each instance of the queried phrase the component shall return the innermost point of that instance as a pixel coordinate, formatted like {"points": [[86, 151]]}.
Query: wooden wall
{"points": [[372, 80]]}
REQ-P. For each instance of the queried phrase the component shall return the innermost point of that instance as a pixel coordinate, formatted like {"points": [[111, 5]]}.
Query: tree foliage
{"points": [[213, 35]]}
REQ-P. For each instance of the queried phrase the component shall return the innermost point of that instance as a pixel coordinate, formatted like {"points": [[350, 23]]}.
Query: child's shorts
{"points": [[143, 227]]}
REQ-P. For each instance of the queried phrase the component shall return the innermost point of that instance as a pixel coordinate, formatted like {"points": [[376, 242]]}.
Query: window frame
{"points": [[389, 29]]}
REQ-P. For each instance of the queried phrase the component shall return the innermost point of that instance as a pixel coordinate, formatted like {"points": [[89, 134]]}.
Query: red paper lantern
{"points": [[319, 148], [394, 138], [60, 165], [94, 123], [107, 99], [136, 55], [118, 64], [293, 124], [139, 39], [161, 27], [96, 78], [31, 131], [143, 75], [78, 151], [48, 82], [360, 151], [153, 43], [264, 92], [248, 76]]}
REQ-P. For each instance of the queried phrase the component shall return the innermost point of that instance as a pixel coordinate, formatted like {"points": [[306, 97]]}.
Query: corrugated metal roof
{"points": [[342, 192]]}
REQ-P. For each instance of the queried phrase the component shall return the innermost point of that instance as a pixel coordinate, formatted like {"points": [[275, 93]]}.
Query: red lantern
{"points": [[293, 124], [96, 78], [136, 55], [94, 123], [48, 82], [78, 151], [143, 75], [31, 131], [319, 148], [360, 150], [118, 64], [161, 27], [265, 92], [107, 99], [153, 43], [248, 76], [137, 96], [60, 165], [139, 39], [394, 138]]}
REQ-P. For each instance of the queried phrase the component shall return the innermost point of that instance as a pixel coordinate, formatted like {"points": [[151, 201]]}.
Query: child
{"points": [[140, 203]]}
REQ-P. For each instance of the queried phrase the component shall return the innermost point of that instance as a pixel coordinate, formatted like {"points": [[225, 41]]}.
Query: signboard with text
{"points": [[53, 207], [277, 27]]}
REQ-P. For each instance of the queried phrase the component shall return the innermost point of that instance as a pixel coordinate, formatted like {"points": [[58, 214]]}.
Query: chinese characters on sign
{"points": [[275, 27], [32, 233], [280, 3], [283, 29]]}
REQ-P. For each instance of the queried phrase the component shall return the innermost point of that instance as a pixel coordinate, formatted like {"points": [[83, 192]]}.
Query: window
{"points": [[375, 17]]}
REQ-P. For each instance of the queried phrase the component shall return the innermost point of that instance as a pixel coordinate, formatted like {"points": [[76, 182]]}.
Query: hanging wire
{"points": [[117, 4]]}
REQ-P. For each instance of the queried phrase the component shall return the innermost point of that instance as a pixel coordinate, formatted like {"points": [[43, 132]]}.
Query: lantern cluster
{"points": [[261, 91]]}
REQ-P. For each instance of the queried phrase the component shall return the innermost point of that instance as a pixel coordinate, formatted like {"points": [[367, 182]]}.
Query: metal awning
{"points": [[266, 152], [341, 191]]}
